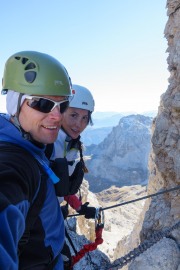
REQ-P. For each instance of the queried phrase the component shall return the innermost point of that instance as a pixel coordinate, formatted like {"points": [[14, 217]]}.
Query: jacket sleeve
{"points": [[18, 184], [73, 201], [12, 227]]}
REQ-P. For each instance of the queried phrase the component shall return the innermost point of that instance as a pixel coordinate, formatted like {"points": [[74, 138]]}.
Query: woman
{"points": [[75, 119], [68, 144]]}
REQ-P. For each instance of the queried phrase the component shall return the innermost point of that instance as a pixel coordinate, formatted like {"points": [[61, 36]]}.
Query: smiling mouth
{"points": [[50, 127], [75, 131]]}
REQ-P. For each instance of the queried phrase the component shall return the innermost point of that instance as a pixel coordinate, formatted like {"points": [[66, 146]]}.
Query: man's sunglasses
{"points": [[46, 105]]}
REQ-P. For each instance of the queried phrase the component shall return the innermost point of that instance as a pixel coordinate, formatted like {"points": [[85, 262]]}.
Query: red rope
{"points": [[89, 247]]}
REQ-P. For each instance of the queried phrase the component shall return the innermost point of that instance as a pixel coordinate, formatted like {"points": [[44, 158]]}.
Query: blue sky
{"points": [[115, 48]]}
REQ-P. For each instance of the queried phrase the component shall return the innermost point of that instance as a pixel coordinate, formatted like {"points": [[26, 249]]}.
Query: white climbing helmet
{"points": [[82, 98]]}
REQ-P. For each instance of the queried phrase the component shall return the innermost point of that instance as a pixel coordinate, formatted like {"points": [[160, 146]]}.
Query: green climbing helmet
{"points": [[35, 73]]}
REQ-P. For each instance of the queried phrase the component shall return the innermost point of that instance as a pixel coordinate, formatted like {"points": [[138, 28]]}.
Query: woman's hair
{"points": [[90, 122]]}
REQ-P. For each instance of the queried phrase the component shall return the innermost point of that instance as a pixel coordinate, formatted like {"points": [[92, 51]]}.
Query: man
{"points": [[38, 90]]}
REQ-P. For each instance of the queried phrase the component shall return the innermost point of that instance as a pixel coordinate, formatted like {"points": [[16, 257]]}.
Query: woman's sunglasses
{"points": [[46, 105]]}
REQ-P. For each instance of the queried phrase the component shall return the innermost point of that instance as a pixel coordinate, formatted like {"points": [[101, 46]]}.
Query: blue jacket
{"points": [[19, 184]]}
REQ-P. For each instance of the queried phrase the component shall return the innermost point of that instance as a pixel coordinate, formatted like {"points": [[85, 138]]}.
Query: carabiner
{"points": [[99, 217]]}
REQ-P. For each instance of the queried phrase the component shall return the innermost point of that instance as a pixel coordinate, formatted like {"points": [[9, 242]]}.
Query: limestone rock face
{"points": [[164, 255]]}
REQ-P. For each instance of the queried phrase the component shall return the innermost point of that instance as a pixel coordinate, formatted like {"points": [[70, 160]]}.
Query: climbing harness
{"points": [[99, 225], [142, 247]]}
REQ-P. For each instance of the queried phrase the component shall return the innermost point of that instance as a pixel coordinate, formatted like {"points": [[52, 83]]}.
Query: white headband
{"points": [[12, 101]]}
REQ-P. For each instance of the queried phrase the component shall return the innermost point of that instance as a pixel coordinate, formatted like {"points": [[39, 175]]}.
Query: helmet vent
{"points": [[30, 76], [24, 60], [30, 66]]}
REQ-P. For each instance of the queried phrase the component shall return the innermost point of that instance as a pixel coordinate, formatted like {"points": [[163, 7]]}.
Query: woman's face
{"points": [[75, 121]]}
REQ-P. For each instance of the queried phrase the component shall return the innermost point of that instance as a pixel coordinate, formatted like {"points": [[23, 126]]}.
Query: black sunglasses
{"points": [[46, 105]]}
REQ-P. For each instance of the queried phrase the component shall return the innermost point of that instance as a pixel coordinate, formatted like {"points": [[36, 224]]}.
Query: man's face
{"points": [[43, 127]]}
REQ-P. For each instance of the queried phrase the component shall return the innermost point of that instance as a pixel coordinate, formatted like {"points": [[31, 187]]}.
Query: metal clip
{"points": [[99, 217]]}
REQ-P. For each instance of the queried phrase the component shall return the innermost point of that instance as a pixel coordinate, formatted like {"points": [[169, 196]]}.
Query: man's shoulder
{"points": [[18, 158], [19, 169]]}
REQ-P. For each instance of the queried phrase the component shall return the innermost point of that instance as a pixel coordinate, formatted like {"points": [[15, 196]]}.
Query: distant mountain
{"points": [[103, 124], [95, 136], [122, 157]]}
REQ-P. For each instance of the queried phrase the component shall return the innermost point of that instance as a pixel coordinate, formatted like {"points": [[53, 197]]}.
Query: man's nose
{"points": [[55, 113]]}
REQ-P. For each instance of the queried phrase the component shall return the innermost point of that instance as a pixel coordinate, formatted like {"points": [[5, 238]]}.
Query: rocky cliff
{"points": [[122, 158]]}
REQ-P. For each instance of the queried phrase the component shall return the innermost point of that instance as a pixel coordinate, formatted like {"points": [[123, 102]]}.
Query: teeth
{"points": [[53, 127]]}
